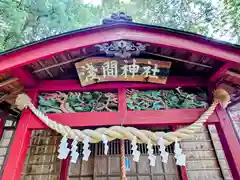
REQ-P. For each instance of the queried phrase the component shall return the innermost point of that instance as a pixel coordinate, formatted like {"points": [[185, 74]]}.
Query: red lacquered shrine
{"points": [[119, 81]]}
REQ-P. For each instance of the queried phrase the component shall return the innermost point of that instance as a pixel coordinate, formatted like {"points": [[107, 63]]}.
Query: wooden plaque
{"points": [[100, 69]]}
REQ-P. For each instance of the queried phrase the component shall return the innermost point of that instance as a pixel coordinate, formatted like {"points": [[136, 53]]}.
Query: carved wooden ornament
{"points": [[99, 69]]}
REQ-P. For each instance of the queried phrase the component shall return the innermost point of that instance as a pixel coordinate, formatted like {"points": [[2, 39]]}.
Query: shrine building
{"points": [[121, 100]]}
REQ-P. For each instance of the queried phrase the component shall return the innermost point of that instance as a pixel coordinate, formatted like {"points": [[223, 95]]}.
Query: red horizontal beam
{"points": [[48, 48], [74, 85], [168, 117]]}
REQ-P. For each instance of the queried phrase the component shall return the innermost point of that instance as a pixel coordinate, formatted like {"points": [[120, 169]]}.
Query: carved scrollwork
{"points": [[164, 99], [60, 102], [122, 49]]}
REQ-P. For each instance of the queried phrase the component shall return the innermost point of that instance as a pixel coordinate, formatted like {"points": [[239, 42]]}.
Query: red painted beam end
{"points": [[221, 72], [25, 77]]}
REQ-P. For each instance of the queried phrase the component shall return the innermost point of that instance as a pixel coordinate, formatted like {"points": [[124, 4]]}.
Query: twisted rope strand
{"points": [[120, 132]]}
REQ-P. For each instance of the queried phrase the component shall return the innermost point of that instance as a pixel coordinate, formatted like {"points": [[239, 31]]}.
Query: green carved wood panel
{"points": [[61, 102], [165, 99], [64, 102]]}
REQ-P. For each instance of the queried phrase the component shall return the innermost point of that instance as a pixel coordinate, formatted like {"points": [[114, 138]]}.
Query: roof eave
{"points": [[159, 29]]}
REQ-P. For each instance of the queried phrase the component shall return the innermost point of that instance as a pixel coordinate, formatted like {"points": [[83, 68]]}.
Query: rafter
{"points": [[7, 82], [62, 63], [234, 74], [10, 98], [180, 60]]}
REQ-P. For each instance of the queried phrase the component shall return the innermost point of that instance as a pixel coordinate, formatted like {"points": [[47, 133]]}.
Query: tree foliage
{"points": [[24, 21], [232, 8]]}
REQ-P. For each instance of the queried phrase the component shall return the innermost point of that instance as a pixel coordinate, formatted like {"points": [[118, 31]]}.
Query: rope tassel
{"points": [[181, 158], [86, 151], [63, 148], [74, 154], [151, 156], [135, 152], [105, 142], [164, 154]]}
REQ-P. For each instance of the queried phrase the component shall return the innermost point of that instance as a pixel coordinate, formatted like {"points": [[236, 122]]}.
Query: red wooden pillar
{"points": [[230, 143], [18, 150], [64, 168], [122, 105]]}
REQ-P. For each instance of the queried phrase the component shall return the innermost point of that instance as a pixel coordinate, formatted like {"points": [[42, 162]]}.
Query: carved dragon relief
{"points": [[164, 99], [61, 102]]}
